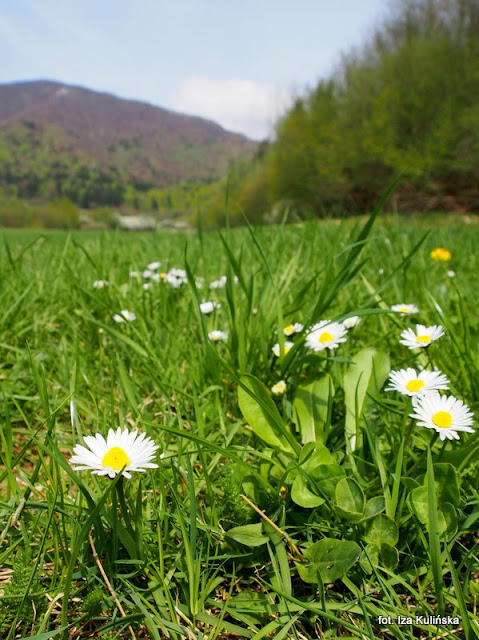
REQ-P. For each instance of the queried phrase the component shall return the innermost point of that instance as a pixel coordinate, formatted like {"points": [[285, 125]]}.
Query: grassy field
{"points": [[322, 512]]}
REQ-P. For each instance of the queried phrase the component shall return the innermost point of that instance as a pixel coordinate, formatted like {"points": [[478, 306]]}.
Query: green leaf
{"points": [[446, 512], [362, 381], [326, 477], [379, 555], [303, 496], [311, 408], [382, 530], [374, 506], [447, 482], [261, 413], [249, 534], [350, 499], [330, 558], [313, 455]]}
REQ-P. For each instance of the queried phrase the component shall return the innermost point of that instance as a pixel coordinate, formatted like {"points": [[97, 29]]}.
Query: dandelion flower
{"points": [[124, 316], [351, 322], [120, 449], [209, 306], [446, 414], [101, 284], [326, 335], [423, 336], [292, 328], [287, 347], [279, 388], [217, 335], [441, 254], [405, 309], [413, 384]]}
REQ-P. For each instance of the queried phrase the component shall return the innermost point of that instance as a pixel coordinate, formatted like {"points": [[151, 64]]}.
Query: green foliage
{"points": [[387, 528], [406, 102]]}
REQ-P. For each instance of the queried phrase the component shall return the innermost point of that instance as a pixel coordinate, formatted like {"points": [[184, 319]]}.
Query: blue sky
{"points": [[236, 62]]}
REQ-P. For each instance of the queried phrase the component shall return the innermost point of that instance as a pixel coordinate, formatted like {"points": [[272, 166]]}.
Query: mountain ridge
{"points": [[53, 123]]}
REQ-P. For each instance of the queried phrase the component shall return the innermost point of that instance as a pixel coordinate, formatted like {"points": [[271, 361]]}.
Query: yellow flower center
{"points": [[286, 349], [115, 458], [424, 339], [289, 329], [415, 385], [404, 309], [325, 337], [442, 419]]}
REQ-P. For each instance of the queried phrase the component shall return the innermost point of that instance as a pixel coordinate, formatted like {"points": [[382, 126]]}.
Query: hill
{"points": [[58, 140], [405, 103]]}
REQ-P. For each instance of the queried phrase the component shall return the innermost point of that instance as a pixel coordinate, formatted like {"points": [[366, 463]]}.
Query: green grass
{"points": [[359, 512]]}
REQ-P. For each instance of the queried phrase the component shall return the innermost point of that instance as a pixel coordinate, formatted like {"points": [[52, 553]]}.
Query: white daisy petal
{"points": [[286, 348], [326, 335], [422, 337], [405, 309], [121, 449], [445, 414], [296, 327], [217, 335], [351, 322], [414, 384]]}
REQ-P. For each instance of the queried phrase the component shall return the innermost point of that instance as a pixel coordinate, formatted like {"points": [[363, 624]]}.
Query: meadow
{"points": [[316, 507]]}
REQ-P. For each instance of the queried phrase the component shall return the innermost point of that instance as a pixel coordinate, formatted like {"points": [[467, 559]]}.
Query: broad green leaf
{"points": [[447, 481], [303, 496], [311, 407], [326, 477], [330, 558], [363, 380], [379, 555], [313, 455], [350, 499], [248, 534], [446, 513], [374, 506], [382, 530], [263, 416]]}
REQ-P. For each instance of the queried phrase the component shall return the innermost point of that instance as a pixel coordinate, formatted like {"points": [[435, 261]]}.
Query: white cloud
{"points": [[238, 105]]}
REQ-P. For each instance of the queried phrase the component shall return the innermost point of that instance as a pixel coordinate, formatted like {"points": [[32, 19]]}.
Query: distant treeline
{"points": [[407, 102]]}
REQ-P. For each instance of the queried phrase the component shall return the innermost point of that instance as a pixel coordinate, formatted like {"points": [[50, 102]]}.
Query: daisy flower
{"points": [[451, 274], [413, 384], [218, 284], [279, 388], [326, 335], [287, 347], [292, 328], [120, 449], [208, 306], [153, 266], [405, 309], [446, 414], [100, 284], [175, 277], [351, 322], [217, 335], [124, 316], [423, 336], [441, 254]]}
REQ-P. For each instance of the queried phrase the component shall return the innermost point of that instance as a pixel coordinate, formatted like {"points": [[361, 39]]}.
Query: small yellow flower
{"points": [[444, 255]]}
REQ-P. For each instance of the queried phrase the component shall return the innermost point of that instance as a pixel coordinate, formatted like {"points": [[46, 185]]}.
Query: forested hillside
{"points": [[407, 102], [60, 141]]}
